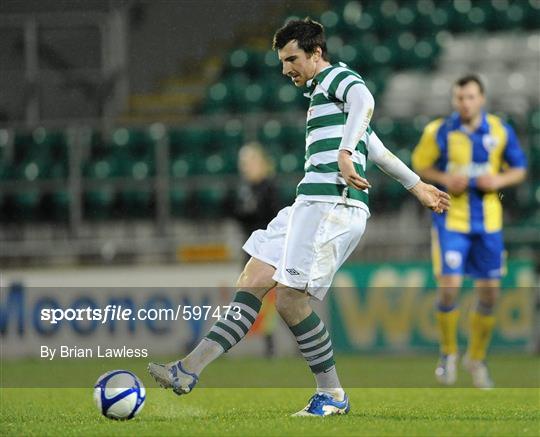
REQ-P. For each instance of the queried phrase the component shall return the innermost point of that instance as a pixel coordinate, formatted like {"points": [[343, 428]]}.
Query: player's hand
{"points": [[488, 183], [456, 184], [431, 197], [348, 172]]}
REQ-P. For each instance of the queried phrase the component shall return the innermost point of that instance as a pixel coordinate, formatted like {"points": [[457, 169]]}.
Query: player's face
{"points": [[297, 64], [468, 100]]}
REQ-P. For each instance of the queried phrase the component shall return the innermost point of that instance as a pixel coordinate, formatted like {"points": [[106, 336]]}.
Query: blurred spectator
{"points": [[256, 200], [256, 204]]}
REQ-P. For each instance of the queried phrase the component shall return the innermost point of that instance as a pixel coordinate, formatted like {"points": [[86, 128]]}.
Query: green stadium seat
{"points": [[210, 200], [32, 170], [532, 14], [189, 140], [219, 163], [179, 202], [294, 137], [136, 203], [99, 203], [218, 98], [271, 132], [236, 86], [231, 138], [59, 205], [245, 60], [139, 169], [253, 98], [5, 170], [534, 120], [27, 205], [24, 148], [291, 162], [179, 168], [104, 168], [135, 144]]}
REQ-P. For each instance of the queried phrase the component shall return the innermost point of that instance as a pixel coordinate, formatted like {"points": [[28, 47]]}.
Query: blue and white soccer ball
{"points": [[119, 395]]}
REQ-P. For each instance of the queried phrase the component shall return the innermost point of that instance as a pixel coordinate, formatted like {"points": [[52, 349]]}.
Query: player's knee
{"points": [[449, 289], [488, 291], [292, 305], [447, 297], [256, 278]]}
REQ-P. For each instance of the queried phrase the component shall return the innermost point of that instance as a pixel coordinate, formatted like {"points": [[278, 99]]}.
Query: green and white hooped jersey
{"points": [[326, 119]]}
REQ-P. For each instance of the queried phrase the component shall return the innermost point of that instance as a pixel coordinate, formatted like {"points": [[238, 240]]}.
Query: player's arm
{"points": [[428, 195], [514, 174], [361, 109]]}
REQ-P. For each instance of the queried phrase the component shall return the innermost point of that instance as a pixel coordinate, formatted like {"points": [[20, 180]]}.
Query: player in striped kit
{"points": [[306, 243]]}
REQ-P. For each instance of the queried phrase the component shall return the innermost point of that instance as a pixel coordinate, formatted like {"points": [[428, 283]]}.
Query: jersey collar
{"points": [[318, 77], [458, 125]]}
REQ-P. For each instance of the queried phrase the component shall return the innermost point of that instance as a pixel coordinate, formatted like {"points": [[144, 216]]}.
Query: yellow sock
{"points": [[447, 321], [480, 329]]}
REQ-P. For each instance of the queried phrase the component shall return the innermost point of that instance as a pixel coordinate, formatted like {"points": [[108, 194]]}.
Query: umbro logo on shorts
{"points": [[292, 272]]}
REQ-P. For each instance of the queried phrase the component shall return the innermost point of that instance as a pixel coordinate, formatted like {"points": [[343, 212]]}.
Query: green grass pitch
{"points": [[390, 395]]}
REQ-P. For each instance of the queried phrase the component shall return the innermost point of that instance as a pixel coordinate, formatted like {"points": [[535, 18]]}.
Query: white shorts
{"points": [[308, 242]]}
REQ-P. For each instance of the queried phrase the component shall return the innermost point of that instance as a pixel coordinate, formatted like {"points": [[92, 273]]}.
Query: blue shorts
{"points": [[478, 255]]}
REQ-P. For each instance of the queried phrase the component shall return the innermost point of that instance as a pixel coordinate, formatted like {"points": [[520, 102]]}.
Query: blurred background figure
{"points": [[256, 204], [256, 201]]}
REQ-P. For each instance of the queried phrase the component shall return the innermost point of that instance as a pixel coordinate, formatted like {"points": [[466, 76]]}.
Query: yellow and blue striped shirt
{"points": [[448, 146]]}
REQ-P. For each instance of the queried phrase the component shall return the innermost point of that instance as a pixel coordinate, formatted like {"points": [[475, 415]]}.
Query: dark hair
{"points": [[308, 34], [464, 80]]}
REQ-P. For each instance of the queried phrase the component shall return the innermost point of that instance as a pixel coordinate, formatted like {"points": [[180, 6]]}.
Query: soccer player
{"points": [[306, 243], [471, 155]]}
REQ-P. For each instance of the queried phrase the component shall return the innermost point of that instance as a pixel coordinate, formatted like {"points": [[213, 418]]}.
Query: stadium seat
{"points": [[231, 137], [56, 206], [189, 140], [291, 162], [271, 132], [136, 203], [99, 203], [218, 98], [27, 205], [532, 14], [209, 200], [293, 137], [179, 202]]}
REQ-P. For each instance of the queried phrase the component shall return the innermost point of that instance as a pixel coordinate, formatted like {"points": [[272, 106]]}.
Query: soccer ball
{"points": [[119, 395]]}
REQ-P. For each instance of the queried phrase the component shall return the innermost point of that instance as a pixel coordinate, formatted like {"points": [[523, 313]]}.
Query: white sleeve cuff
{"points": [[390, 163]]}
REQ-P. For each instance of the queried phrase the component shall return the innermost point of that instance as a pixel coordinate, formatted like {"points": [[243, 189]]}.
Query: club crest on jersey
{"points": [[489, 142], [453, 258]]}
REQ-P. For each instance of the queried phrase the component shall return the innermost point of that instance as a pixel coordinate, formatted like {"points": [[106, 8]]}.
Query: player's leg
{"points": [[182, 375], [316, 347], [449, 252], [485, 266], [320, 237], [447, 315], [252, 285], [481, 324], [256, 280]]}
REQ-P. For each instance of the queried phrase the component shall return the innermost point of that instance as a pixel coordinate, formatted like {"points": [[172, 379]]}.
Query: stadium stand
{"points": [[408, 51]]}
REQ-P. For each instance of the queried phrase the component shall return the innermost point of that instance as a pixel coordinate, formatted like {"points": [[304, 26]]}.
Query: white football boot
{"points": [[173, 375], [446, 371], [479, 372]]}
